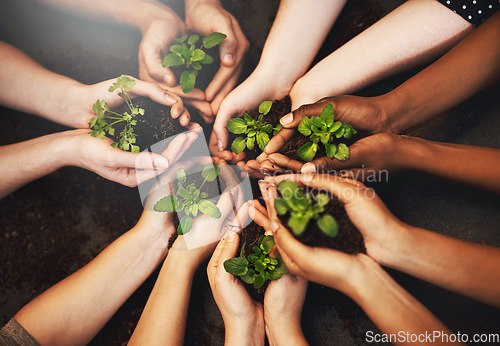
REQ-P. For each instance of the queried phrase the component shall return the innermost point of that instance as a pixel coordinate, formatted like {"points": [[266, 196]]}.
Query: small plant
{"points": [[106, 118], [303, 209], [190, 199], [255, 130], [186, 53], [258, 266], [324, 129]]}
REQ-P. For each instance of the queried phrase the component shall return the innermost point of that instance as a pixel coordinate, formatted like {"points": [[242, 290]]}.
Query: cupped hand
{"points": [[363, 113], [380, 229], [243, 317], [98, 156], [206, 18]]}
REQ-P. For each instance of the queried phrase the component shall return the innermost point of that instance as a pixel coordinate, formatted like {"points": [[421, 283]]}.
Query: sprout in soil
{"points": [[106, 118], [303, 209], [258, 266], [186, 53], [190, 199], [324, 129], [254, 130]]}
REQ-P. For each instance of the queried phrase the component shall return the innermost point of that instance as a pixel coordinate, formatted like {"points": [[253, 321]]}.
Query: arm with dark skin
{"points": [[471, 66]]}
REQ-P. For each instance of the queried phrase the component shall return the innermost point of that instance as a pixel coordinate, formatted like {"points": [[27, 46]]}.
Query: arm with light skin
{"points": [[163, 320], [23, 162], [463, 267], [31, 88], [288, 52], [471, 66], [74, 310], [386, 303]]}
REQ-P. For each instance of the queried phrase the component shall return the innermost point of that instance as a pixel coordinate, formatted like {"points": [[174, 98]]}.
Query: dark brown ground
{"points": [[57, 224]]}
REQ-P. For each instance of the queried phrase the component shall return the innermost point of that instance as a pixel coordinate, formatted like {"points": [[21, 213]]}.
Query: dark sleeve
{"points": [[473, 11], [14, 334]]}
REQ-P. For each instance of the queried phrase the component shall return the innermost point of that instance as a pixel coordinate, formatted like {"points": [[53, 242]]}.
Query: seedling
{"points": [[106, 118], [303, 209], [258, 266], [190, 199], [254, 130], [186, 53], [325, 130]]}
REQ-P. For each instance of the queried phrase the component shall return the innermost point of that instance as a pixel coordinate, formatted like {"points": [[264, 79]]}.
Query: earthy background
{"points": [[55, 225]]}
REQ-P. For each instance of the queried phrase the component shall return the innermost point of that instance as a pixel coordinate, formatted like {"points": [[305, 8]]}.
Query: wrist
{"points": [[284, 332], [395, 109], [246, 330]]}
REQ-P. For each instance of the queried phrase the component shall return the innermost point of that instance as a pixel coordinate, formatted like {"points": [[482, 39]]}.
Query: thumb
{"points": [[228, 46], [220, 130], [293, 119], [330, 165], [144, 160], [293, 252]]}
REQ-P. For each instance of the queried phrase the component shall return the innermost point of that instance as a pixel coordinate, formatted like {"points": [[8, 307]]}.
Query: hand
{"points": [[363, 113], [380, 229], [243, 318], [205, 18], [284, 298], [97, 155], [88, 94]]}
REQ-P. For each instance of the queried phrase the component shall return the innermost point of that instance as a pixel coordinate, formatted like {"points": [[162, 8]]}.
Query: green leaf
{"points": [[262, 140], [322, 199], [237, 266], [268, 128], [92, 122], [342, 152], [176, 48], [238, 145], [122, 82], [135, 149], [185, 225], [209, 208], [330, 149], [281, 266], [316, 121], [265, 107], [298, 223], [328, 225], [193, 39], [188, 79], [335, 126], [274, 275], [249, 277], [327, 114], [277, 129], [183, 192], [340, 132], [288, 189], [281, 206], [181, 39], [166, 204], [260, 266], [259, 281], [198, 55], [181, 175], [236, 126], [305, 126], [267, 244], [210, 172], [349, 131], [307, 151], [250, 143], [207, 60], [173, 59], [114, 144], [248, 118], [213, 39]]}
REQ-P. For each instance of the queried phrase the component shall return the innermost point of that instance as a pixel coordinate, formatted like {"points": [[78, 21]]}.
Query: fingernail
{"points": [[228, 58], [161, 163], [230, 236], [274, 226], [219, 144], [308, 168], [287, 119], [262, 182], [168, 79], [169, 98]]}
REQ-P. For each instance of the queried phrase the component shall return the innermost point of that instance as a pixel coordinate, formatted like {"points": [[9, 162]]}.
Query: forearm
{"points": [[471, 165], [289, 48], [24, 162], [136, 13], [31, 88], [391, 308], [414, 33], [467, 69], [466, 268], [163, 320], [74, 310], [293, 335], [244, 333]]}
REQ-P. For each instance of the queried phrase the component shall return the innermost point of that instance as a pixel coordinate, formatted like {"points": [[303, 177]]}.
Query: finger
{"points": [[241, 218], [257, 205], [220, 130], [195, 94], [293, 119], [284, 162], [154, 92], [239, 157], [228, 175], [279, 140], [152, 61], [260, 218], [191, 137], [226, 89], [269, 194], [328, 165], [346, 190], [204, 109], [185, 118]]}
